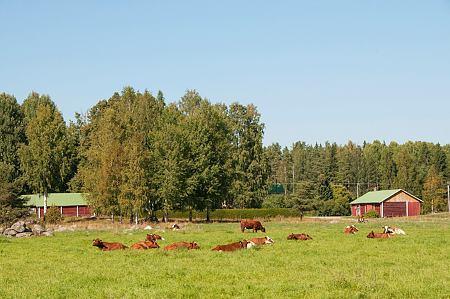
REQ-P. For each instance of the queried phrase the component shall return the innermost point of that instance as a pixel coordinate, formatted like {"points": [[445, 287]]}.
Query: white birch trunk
{"points": [[45, 202]]}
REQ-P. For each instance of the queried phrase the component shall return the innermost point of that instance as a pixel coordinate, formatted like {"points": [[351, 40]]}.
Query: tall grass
{"points": [[332, 265]]}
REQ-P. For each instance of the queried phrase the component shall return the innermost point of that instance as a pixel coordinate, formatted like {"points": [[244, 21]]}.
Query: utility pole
{"points": [[357, 190], [448, 195]]}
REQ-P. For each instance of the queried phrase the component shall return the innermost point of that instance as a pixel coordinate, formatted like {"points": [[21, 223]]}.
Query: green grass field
{"points": [[332, 265]]}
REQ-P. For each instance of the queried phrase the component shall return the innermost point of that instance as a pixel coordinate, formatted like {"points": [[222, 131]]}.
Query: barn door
{"points": [[394, 209]]}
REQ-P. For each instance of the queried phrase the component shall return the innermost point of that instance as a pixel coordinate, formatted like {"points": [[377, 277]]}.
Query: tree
{"points": [[249, 185], [12, 134], [433, 192], [11, 205], [42, 157]]}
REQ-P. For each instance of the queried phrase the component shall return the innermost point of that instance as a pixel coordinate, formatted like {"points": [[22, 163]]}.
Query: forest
{"points": [[136, 153]]}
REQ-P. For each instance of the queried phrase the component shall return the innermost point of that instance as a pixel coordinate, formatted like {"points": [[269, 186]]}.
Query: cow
{"points": [[373, 235], [350, 229], [108, 246], [302, 236], [253, 225], [153, 237], [145, 245], [175, 227], [393, 230], [244, 244], [262, 241], [177, 245]]}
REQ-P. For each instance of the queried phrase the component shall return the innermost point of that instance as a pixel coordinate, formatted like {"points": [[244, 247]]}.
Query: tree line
{"points": [[135, 154], [324, 178]]}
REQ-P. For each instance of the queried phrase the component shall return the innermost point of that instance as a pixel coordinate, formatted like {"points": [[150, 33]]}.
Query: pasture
{"points": [[332, 265]]}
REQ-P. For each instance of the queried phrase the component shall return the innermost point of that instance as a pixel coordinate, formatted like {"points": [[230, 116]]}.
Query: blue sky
{"points": [[316, 70]]}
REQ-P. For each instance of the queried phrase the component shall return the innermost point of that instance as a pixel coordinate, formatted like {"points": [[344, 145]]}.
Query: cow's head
{"points": [[291, 237], [354, 228], [263, 229], [308, 237], [153, 237], [97, 242], [193, 245], [371, 235], [268, 240]]}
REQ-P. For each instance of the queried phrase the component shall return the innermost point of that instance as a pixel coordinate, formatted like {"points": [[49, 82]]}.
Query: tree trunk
{"points": [[45, 202], [166, 216], [190, 214], [112, 217], [208, 218], [432, 206], [136, 219]]}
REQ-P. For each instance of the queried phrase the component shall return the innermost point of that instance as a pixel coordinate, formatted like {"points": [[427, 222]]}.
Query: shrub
{"points": [[235, 214], [53, 215], [372, 214]]}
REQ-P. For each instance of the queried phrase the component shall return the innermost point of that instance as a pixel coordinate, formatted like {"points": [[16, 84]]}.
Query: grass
{"points": [[332, 265]]}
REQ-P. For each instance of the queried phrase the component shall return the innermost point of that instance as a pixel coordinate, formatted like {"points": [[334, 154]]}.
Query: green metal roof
{"points": [[56, 199], [375, 196]]}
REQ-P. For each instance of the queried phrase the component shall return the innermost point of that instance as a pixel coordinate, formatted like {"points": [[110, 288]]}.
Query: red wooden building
{"points": [[387, 203], [69, 204]]}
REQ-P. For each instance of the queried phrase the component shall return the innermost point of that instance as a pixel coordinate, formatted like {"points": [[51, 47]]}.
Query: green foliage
{"points": [[433, 193], [235, 214], [11, 205], [43, 157], [12, 134], [53, 215], [371, 214]]}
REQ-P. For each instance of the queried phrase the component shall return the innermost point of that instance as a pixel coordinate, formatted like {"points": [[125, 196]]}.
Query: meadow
{"points": [[332, 265]]}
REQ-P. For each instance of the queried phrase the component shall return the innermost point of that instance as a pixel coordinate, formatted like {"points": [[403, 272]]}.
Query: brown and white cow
{"points": [[244, 244], [145, 245], [254, 225], [350, 229], [108, 246], [153, 237], [262, 241], [177, 245], [373, 235], [302, 236], [393, 230]]}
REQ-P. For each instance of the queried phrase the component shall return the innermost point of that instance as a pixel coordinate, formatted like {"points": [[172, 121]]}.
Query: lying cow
{"points": [[175, 227], [303, 237], [350, 229], [108, 246], [145, 245], [262, 241], [177, 245], [393, 230], [244, 244], [153, 237], [254, 225], [373, 235]]}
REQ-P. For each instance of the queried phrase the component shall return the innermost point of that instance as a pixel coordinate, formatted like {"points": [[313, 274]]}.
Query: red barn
{"points": [[387, 203], [69, 204]]}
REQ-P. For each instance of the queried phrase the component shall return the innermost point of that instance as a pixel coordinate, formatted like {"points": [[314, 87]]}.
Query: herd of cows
{"points": [[151, 239]]}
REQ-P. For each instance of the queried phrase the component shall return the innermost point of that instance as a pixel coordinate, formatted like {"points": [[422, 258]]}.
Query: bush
{"points": [[53, 215], [235, 214], [372, 214]]}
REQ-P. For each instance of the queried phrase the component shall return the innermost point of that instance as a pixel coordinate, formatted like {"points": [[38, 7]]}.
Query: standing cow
{"points": [[254, 225]]}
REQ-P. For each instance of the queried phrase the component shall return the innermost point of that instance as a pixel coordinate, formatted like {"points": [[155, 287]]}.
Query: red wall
{"points": [[71, 211], [413, 208]]}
